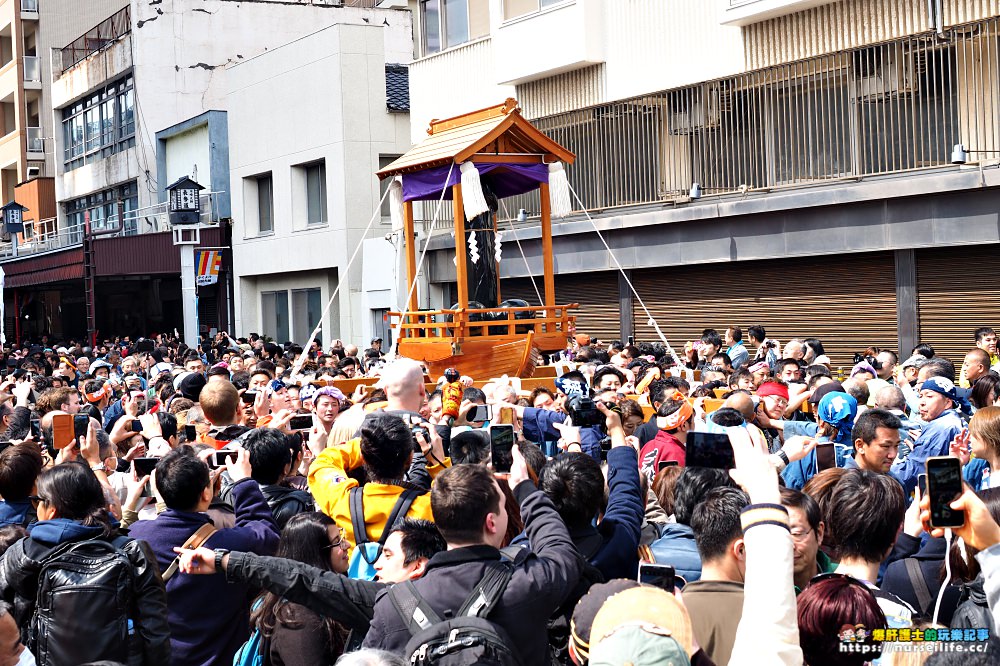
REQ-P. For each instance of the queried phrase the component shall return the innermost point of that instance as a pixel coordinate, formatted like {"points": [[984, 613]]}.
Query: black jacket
{"points": [[19, 580], [973, 611], [286, 502], [348, 601], [930, 558], [538, 587]]}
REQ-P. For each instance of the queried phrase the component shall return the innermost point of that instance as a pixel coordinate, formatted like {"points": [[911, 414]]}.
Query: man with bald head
{"points": [[975, 365], [743, 403], [351, 350]]}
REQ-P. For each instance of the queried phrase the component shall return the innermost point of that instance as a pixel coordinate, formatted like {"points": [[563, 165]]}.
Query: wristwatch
{"points": [[97, 467], [784, 456], [219, 554]]}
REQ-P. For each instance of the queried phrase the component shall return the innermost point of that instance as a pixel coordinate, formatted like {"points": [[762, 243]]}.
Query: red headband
{"points": [[773, 388]]}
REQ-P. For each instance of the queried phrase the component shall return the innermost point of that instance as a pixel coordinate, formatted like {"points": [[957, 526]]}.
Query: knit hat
{"points": [[773, 388], [656, 611], [864, 366], [587, 608], [191, 385]]}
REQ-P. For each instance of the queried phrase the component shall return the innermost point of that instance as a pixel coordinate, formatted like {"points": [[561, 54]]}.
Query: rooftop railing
{"points": [[97, 38]]}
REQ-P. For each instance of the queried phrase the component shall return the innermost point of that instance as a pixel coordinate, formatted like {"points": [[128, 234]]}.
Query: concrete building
{"points": [[309, 124], [138, 99], [778, 162]]}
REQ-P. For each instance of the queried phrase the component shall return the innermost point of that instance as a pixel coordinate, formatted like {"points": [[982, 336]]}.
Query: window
{"points": [[316, 193], [383, 162], [306, 310], [447, 23], [100, 125], [265, 204], [515, 8], [274, 315], [101, 208]]}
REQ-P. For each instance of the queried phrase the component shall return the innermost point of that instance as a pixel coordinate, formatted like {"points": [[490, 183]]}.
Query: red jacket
{"points": [[661, 448]]}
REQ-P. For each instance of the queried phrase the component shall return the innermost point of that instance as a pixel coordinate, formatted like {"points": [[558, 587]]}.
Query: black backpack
{"points": [[85, 584], [467, 639]]}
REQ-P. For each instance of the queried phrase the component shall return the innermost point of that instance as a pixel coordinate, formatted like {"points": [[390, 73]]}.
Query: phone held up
{"points": [[944, 485], [502, 447], [658, 575]]}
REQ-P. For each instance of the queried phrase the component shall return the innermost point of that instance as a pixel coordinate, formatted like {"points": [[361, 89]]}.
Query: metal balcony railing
{"points": [[41, 237], [36, 143], [101, 35], [32, 68], [894, 107]]}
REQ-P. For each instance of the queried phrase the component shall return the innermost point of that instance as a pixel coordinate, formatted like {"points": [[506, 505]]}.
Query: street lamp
{"points": [[695, 193], [184, 214], [13, 222]]}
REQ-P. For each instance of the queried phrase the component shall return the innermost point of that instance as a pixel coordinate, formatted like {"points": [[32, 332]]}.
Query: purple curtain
{"points": [[505, 179]]}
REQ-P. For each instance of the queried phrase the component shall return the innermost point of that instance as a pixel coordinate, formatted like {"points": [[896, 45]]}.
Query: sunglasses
{"points": [[37, 500]]}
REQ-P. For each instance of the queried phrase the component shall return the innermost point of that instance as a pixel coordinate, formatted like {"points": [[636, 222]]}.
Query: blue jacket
{"points": [[537, 425], [19, 512], [209, 617], [799, 472], [935, 440], [114, 412], [676, 547]]}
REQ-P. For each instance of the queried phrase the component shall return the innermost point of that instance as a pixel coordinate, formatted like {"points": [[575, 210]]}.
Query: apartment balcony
{"points": [[556, 39], [44, 237], [32, 72], [745, 12], [894, 108], [29, 10], [35, 143]]}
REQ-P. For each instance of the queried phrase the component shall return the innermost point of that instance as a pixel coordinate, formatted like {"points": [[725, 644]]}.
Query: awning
{"points": [[44, 269]]}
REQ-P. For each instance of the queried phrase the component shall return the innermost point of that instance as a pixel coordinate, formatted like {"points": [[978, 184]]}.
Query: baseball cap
{"points": [[916, 361], [586, 610], [655, 611], [823, 389], [639, 645]]}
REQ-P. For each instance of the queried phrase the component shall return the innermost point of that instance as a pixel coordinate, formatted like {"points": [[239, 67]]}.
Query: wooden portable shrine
{"points": [[510, 156]]}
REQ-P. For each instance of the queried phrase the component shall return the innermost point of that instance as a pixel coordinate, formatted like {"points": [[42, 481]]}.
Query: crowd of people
{"points": [[234, 503]]}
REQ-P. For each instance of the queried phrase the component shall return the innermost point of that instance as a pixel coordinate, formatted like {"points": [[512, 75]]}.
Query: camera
{"points": [[583, 410], [770, 344], [871, 360]]}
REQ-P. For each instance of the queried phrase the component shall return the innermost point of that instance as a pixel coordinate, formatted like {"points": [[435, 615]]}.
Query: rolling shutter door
{"points": [[954, 298], [848, 302], [597, 294]]}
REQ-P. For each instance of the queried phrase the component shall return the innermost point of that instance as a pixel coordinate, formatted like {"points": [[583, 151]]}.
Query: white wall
{"points": [[187, 154], [318, 97], [646, 45]]}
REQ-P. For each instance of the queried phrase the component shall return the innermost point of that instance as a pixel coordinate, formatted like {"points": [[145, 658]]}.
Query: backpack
{"points": [[466, 639], [254, 652], [93, 580], [366, 553]]}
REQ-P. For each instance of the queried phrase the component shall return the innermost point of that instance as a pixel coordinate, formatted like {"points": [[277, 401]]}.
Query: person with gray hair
{"points": [[370, 657]]}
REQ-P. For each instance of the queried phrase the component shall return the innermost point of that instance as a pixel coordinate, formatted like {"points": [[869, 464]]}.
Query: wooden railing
{"points": [[457, 324]]}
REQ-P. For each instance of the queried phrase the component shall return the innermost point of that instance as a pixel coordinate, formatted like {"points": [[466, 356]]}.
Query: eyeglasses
{"points": [[36, 500], [801, 535], [339, 542], [781, 402]]}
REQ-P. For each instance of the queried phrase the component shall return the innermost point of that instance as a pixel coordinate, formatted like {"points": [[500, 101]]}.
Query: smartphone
{"points": [[631, 340], [479, 413], [657, 575], [36, 429], [62, 430], [944, 485], [219, 457], [300, 422], [922, 484], [501, 447], [81, 422], [506, 416], [190, 433], [248, 397], [826, 456], [709, 449], [136, 425], [144, 466], [663, 464], [141, 398]]}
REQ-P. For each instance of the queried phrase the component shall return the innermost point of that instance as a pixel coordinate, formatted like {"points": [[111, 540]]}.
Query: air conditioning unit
{"points": [[884, 71], [34, 172], [696, 109]]}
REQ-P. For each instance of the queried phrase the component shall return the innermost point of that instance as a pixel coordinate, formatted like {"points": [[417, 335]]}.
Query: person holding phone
{"points": [[835, 421]]}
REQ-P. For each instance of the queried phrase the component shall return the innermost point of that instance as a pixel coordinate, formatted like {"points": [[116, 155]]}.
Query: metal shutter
{"points": [[954, 299], [848, 302], [597, 294]]}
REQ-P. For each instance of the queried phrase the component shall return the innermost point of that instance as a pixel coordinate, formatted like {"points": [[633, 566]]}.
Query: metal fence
{"points": [[98, 37], [888, 108]]}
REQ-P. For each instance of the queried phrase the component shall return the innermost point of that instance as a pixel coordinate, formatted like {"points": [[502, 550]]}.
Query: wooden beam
{"points": [[460, 252], [508, 159], [409, 244], [547, 257]]}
